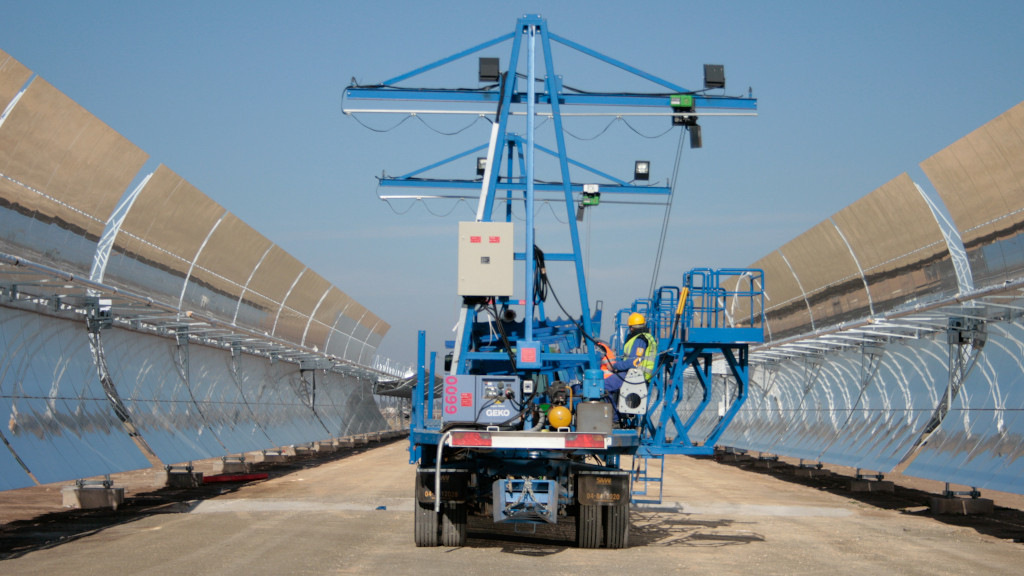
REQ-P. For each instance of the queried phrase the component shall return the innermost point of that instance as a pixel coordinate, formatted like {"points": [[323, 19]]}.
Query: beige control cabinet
{"points": [[486, 259]]}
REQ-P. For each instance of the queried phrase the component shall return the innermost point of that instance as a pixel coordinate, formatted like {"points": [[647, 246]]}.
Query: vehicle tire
{"points": [[617, 526], [425, 525], [588, 526], [453, 525]]}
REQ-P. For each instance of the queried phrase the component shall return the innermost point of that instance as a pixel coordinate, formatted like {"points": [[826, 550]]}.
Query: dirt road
{"points": [[352, 515]]}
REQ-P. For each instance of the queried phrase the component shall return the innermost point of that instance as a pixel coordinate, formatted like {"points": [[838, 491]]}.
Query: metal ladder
{"points": [[644, 479]]}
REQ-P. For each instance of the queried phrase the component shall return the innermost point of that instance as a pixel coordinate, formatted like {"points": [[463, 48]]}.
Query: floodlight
{"points": [[642, 170], [481, 165], [714, 76], [490, 70]]}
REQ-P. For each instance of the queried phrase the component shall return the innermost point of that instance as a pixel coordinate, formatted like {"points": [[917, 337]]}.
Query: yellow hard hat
{"points": [[636, 319]]}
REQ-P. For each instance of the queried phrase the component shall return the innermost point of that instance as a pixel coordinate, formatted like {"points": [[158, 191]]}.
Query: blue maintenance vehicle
{"points": [[520, 426]]}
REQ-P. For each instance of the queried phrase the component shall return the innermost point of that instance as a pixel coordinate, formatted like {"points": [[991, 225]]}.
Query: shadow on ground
{"points": [[648, 528], [49, 530], [1004, 523]]}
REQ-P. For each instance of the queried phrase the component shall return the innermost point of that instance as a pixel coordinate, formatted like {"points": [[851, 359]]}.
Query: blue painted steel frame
{"points": [[700, 102], [704, 335], [619, 187], [531, 26], [695, 351]]}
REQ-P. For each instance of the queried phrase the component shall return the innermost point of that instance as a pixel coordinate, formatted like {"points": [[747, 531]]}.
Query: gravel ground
{"points": [[350, 512]]}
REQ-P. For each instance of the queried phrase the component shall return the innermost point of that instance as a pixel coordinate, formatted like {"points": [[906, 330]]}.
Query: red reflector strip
{"points": [[471, 439], [584, 441]]}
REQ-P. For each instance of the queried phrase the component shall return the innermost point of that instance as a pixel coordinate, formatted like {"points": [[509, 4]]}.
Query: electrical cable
{"points": [[388, 87], [668, 211], [583, 332], [553, 213], [567, 315], [540, 275], [379, 130], [459, 131], [641, 134], [448, 213], [547, 203], [596, 136], [403, 212], [581, 91], [504, 337]]}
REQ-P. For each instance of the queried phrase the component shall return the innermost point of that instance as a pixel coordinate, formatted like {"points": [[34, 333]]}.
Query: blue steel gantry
{"points": [[508, 380]]}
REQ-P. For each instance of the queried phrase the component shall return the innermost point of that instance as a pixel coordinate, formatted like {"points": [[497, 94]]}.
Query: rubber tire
{"points": [[426, 528], [453, 525], [617, 526], [588, 526]]}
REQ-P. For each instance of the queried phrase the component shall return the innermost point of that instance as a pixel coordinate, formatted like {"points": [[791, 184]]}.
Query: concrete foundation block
{"points": [[179, 479], [961, 506], [345, 443], [303, 450], [268, 457], [361, 441], [871, 486], [230, 467], [324, 447], [91, 497]]}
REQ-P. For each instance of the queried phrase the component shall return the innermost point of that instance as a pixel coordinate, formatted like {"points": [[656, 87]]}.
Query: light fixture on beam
{"points": [[481, 165], [642, 170], [490, 70], [714, 76]]}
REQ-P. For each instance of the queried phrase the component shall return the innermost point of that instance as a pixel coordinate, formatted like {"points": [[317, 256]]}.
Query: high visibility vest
{"points": [[607, 358], [643, 359]]}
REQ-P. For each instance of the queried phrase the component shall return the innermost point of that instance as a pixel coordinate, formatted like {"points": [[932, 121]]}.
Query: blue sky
{"points": [[243, 100]]}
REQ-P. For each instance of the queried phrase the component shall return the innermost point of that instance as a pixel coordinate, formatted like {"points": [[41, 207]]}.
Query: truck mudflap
{"points": [[454, 485], [603, 488]]}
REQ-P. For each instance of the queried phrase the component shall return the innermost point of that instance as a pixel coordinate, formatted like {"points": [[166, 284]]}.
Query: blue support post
{"points": [[416, 418], [430, 387], [530, 112], [738, 366], [574, 234], [704, 377]]}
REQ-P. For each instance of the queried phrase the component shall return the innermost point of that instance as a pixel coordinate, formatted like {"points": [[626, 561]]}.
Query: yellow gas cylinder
{"points": [[559, 417]]}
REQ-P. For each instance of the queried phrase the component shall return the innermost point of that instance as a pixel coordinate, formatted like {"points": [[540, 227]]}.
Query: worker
{"points": [[640, 351], [607, 357]]}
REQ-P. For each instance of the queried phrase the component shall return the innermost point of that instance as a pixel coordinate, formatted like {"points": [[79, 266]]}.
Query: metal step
{"points": [[645, 480]]}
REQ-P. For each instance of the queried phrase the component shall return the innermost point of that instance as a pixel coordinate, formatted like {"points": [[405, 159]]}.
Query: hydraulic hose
{"points": [[540, 422]]}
